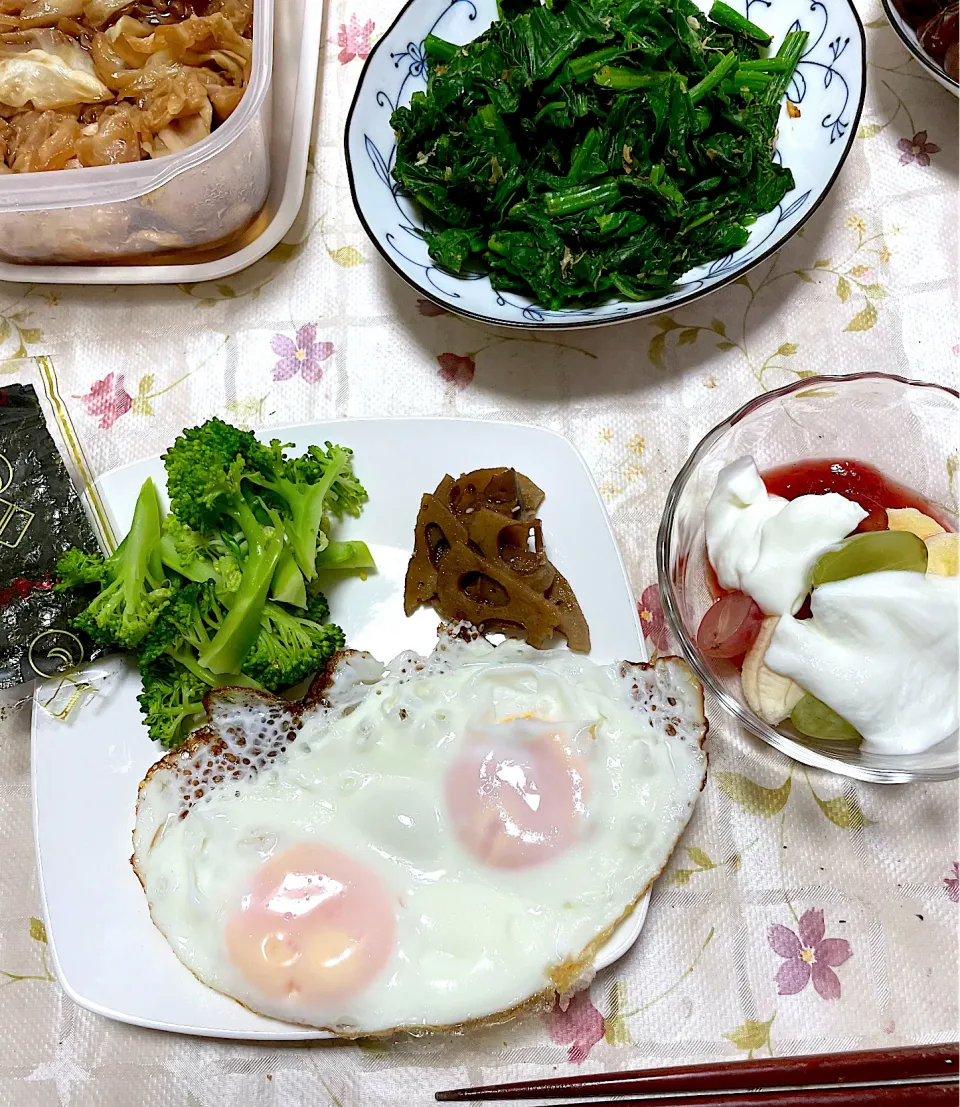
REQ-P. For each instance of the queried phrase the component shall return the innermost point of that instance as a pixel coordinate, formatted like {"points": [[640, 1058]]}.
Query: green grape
{"points": [[873, 552], [813, 718]]}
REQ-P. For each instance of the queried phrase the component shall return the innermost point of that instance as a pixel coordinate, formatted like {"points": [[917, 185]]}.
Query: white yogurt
{"points": [[767, 546], [882, 650]]}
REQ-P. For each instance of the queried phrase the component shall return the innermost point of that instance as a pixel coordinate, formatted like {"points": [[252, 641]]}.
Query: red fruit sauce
{"points": [[856, 480]]}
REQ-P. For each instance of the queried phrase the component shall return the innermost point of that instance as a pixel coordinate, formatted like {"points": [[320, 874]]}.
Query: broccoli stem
{"points": [[288, 585], [239, 630], [725, 16], [141, 557], [199, 570], [721, 70], [135, 587], [571, 200], [345, 555]]}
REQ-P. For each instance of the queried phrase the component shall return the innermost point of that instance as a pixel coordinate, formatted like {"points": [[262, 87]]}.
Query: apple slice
{"points": [[769, 695], [908, 518], [943, 554]]}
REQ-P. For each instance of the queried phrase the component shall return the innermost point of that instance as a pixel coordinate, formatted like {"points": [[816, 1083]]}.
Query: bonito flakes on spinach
{"points": [[40, 517], [585, 149]]}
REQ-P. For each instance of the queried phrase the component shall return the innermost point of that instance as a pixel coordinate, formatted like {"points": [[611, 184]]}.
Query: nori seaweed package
{"points": [[40, 517]]}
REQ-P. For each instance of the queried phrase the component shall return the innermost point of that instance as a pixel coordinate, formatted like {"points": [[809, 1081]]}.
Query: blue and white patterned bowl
{"points": [[827, 89]]}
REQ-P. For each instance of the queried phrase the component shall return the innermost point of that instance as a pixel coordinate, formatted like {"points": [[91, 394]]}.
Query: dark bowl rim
{"points": [[893, 18], [583, 324], [739, 713]]}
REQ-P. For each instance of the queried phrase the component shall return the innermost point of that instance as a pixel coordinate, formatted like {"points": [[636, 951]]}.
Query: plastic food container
{"points": [[192, 199]]}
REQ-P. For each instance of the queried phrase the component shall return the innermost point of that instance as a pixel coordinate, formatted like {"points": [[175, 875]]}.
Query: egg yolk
{"points": [[315, 925], [515, 794]]}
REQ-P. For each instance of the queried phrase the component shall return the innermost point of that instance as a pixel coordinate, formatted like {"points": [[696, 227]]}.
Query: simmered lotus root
{"points": [[478, 556]]}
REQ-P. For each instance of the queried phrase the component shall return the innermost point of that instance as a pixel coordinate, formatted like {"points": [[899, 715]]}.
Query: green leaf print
{"points": [[752, 797], [38, 932], [752, 1035], [699, 858], [863, 320]]}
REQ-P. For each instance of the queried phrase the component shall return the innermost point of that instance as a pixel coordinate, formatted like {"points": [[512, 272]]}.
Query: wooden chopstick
{"points": [[907, 1063], [881, 1095]]}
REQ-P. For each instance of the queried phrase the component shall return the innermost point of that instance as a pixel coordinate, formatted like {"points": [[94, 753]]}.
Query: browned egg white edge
{"points": [[563, 977]]}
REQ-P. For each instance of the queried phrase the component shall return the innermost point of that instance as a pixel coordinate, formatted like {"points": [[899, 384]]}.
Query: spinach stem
{"points": [[578, 69], [747, 79], [791, 50], [720, 71], [438, 49], [571, 200], [725, 16], [623, 78], [768, 65]]}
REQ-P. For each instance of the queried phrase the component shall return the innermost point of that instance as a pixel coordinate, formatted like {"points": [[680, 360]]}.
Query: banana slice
{"points": [[943, 554], [908, 518], [768, 694]]}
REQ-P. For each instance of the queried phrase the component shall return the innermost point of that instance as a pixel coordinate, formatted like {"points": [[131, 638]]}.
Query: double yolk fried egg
{"points": [[422, 845]]}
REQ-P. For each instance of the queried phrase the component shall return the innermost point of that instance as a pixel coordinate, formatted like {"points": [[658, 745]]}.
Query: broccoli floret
{"points": [[289, 648], [205, 469], [317, 607], [134, 588], [202, 557], [171, 700], [184, 628], [304, 490], [191, 618], [333, 467], [77, 568]]}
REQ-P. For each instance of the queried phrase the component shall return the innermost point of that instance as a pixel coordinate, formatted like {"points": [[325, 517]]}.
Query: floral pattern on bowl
{"points": [[826, 97]]}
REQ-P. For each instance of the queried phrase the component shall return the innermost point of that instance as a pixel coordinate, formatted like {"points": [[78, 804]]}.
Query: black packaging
{"points": [[40, 517]]}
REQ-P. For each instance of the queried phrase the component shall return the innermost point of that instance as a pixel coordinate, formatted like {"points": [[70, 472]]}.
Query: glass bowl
{"points": [[907, 429]]}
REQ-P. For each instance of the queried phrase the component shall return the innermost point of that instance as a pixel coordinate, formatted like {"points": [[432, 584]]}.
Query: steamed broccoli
{"points": [[77, 568], [305, 490], [200, 557], [346, 555], [190, 594], [205, 470], [134, 587], [168, 658], [191, 619], [290, 647], [172, 699]]}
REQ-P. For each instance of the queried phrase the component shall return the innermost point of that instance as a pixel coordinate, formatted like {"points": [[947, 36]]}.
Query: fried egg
{"points": [[425, 844]]}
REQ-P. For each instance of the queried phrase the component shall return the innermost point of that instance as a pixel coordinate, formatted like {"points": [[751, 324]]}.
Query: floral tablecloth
{"points": [[801, 912]]}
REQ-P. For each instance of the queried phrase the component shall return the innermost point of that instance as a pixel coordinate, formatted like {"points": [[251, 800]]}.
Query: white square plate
{"points": [[107, 954]]}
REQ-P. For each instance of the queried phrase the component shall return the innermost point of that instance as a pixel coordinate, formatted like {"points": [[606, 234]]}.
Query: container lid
{"points": [[116, 184]]}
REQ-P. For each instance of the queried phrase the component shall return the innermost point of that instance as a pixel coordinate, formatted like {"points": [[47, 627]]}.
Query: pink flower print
{"points": [[429, 309], [917, 149], [354, 40], [579, 1025], [108, 399], [457, 369], [302, 355], [952, 883], [808, 956], [652, 620]]}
